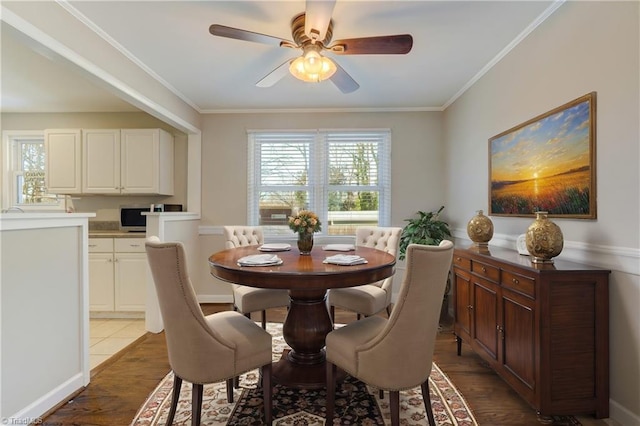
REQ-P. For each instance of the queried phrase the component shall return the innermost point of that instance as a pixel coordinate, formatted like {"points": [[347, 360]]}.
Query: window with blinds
{"points": [[25, 173], [343, 176]]}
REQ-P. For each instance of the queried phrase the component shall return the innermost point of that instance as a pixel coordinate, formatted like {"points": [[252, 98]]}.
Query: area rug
{"points": [[356, 403]]}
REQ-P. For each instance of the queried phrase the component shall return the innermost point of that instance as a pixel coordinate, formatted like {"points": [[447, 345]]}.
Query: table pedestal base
{"points": [[302, 376]]}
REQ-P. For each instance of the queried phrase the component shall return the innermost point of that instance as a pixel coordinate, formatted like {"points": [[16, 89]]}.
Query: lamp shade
{"points": [[312, 67]]}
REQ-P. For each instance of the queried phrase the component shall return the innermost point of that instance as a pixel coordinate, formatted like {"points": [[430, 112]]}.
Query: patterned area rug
{"points": [[356, 403]]}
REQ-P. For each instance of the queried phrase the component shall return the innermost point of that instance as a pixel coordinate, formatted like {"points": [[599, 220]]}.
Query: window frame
{"points": [[10, 139], [318, 179]]}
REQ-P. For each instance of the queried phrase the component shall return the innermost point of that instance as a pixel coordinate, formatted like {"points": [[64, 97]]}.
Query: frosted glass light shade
{"points": [[312, 67]]}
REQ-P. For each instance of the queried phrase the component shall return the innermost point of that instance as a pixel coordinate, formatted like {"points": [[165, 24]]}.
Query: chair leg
{"points": [[267, 393], [332, 312], [196, 404], [264, 320], [394, 405], [236, 382], [426, 396], [230, 390], [331, 393], [177, 384], [380, 394]]}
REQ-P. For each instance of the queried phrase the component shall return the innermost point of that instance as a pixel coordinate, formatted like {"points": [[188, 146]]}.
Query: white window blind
{"points": [[342, 175]]}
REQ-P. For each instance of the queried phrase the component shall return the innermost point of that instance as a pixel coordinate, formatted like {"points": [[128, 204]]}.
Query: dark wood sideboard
{"points": [[544, 328]]}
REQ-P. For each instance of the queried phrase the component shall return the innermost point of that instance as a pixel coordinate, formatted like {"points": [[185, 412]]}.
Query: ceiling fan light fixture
{"points": [[312, 67]]}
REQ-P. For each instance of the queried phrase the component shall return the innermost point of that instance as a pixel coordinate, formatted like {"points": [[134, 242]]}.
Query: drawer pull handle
{"points": [[469, 306], [134, 245], [484, 269], [458, 259], [515, 281], [93, 245]]}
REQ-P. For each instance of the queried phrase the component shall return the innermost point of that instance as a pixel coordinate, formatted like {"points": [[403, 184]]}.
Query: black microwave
{"points": [[131, 218]]}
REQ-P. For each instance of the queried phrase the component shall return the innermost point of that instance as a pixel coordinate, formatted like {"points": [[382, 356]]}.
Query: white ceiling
{"points": [[454, 43]]}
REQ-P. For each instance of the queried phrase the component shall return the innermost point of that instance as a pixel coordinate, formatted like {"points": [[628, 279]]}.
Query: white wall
{"points": [[582, 47], [44, 306], [172, 226]]}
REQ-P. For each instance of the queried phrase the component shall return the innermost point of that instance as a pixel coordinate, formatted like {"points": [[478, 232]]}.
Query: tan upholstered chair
{"points": [[249, 299], [369, 299], [203, 349], [396, 354]]}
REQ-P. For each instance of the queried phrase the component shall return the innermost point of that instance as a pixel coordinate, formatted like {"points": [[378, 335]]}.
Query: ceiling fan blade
{"points": [[229, 32], [275, 76], [343, 80], [317, 17], [381, 45]]}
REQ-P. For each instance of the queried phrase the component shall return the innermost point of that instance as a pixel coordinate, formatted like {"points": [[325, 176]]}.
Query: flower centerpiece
{"points": [[305, 224]]}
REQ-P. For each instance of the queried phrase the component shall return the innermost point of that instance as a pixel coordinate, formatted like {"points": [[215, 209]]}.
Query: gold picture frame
{"points": [[547, 164]]}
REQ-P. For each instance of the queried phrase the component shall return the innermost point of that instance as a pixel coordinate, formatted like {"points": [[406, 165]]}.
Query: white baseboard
{"points": [[621, 416], [119, 315], [215, 298], [34, 411]]}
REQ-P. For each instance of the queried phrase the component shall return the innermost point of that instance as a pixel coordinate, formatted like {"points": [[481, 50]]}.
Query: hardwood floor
{"points": [[119, 386]]}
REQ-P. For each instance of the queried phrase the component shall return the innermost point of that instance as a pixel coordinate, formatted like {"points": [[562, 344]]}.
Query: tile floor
{"points": [[107, 336]]}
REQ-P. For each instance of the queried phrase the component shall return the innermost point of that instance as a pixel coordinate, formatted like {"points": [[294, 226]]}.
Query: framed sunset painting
{"points": [[546, 164]]}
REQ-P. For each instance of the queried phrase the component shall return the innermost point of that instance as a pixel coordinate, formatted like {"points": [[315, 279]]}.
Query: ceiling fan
{"points": [[312, 32]]}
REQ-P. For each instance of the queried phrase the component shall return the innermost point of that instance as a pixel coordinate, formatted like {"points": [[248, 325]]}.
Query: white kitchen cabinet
{"points": [[117, 274], [63, 161], [101, 161], [127, 161], [130, 282], [147, 161], [101, 274]]}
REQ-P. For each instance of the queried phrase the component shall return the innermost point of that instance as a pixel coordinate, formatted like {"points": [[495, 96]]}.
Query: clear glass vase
{"points": [[305, 243]]}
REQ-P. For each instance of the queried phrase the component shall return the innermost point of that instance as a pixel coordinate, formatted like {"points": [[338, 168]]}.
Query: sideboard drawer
{"points": [[487, 271], [519, 283], [462, 262]]}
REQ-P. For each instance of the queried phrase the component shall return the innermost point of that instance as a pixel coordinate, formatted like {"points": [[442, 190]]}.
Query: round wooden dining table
{"points": [[307, 278]]}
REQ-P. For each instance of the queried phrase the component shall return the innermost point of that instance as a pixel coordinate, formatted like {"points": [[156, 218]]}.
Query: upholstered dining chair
{"points": [[249, 299], [397, 353], [204, 349], [368, 299]]}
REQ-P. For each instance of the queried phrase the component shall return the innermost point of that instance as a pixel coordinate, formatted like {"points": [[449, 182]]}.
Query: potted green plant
{"points": [[426, 229]]}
